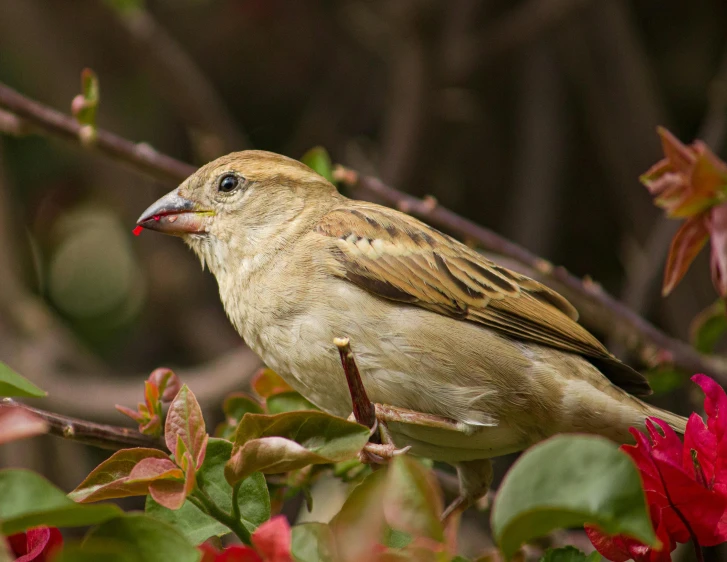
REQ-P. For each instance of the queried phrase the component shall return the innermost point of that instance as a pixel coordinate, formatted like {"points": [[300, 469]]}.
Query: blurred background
{"points": [[533, 117]]}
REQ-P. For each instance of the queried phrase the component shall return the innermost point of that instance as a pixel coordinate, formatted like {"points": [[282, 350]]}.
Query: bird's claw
{"points": [[375, 453]]}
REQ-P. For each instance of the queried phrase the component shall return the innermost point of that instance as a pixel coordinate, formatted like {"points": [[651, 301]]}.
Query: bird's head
{"points": [[244, 202]]}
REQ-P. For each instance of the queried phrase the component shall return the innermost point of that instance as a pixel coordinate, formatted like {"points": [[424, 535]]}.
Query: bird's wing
{"points": [[400, 258]]}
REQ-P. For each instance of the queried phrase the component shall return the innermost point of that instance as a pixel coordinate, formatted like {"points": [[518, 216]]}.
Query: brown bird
{"points": [[492, 360]]}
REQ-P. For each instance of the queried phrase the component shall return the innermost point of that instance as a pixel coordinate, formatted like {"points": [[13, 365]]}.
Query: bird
{"points": [[490, 360]]}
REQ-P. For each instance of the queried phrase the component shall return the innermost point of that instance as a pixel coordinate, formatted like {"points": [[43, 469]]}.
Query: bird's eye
{"points": [[228, 183]]}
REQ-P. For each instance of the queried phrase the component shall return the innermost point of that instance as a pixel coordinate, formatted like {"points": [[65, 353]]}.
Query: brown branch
{"points": [[622, 322], [363, 410], [99, 435], [139, 155], [612, 316]]}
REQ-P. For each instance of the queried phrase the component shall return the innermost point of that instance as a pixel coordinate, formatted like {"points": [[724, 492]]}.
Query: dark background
{"points": [[533, 117]]}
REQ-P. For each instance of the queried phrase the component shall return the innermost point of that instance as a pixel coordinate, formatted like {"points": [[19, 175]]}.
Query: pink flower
{"points": [[271, 541], [35, 544], [685, 483]]}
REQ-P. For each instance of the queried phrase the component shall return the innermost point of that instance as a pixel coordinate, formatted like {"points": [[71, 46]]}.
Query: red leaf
{"points": [[267, 383], [186, 424], [272, 539], [35, 544], [111, 479], [685, 246], [17, 423], [167, 382], [235, 553], [621, 549]]}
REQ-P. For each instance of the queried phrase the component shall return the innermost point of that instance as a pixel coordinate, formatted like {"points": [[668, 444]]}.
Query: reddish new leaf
{"points": [[167, 383], [112, 478], [186, 424], [234, 553], [687, 243], [17, 423], [267, 383]]}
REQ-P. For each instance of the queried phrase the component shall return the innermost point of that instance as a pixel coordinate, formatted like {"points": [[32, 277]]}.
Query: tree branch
{"points": [[611, 315], [99, 435]]}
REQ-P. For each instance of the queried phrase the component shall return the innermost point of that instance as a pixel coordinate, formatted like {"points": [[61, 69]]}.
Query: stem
{"points": [[363, 409], [235, 503], [213, 510], [97, 434]]}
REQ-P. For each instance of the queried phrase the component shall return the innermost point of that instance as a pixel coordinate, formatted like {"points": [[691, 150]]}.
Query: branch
{"points": [[611, 315], [99, 435], [54, 123], [363, 409]]}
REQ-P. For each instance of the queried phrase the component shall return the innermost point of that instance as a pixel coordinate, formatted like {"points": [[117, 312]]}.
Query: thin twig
{"points": [[99, 435], [629, 327], [140, 155], [363, 410]]}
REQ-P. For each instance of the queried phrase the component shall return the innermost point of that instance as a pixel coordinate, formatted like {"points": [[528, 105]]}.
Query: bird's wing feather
{"points": [[400, 258]]}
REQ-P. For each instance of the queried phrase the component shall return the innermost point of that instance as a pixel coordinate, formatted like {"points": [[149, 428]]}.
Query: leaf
{"points": [[13, 384], [313, 542], [93, 551], [414, 501], [273, 444], [567, 481], [148, 539], [665, 378], [318, 160], [267, 382], [238, 404], [569, 554], [18, 423], [29, 500], [185, 423], [708, 327], [167, 484], [360, 523], [288, 402], [112, 478], [687, 243], [85, 104], [253, 498]]}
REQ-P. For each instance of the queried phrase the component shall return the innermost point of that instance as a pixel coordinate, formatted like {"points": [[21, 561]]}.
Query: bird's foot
{"points": [[475, 478], [377, 453]]}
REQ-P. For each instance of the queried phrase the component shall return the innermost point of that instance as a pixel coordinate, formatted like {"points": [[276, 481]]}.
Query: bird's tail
{"points": [[677, 423]]}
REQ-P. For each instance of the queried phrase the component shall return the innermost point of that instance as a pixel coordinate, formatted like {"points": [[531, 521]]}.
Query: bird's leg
{"points": [[475, 478], [380, 447]]}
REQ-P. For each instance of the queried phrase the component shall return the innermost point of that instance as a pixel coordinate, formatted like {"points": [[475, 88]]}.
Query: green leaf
{"points": [[13, 384], [273, 444], [567, 481], [238, 404], [253, 498], [413, 499], [569, 554], [148, 539], [708, 327], [317, 158], [313, 542], [664, 379], [186, 424], [93, 551], [112, 478], [288, 402], [29, 500]]}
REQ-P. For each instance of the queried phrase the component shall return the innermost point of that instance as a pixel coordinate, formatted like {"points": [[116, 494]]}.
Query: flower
{"points": [[271, 540], [685, 483], [35, 544], [691, 183]]}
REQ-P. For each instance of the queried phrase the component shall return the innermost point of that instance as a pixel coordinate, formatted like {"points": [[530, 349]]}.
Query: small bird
{"points": [[492, 360]]}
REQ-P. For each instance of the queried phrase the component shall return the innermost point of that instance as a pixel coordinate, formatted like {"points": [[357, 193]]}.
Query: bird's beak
{"points": [[176, 215]]}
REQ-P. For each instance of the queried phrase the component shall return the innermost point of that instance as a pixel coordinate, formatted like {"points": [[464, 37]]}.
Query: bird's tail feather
{"points": [[677, 423]]}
